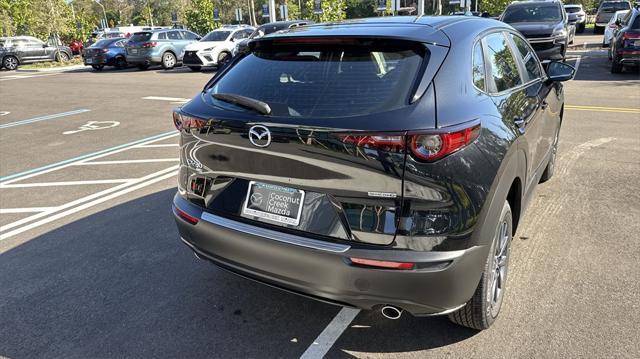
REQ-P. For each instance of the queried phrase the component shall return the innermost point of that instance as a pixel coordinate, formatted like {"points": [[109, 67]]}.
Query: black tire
{"points": [[143, 67], [483, 308], [98, 67], [121, 62], [616, 67], [169, 60], [10, 62], [195, 68], [62, 57], [551, 165]]}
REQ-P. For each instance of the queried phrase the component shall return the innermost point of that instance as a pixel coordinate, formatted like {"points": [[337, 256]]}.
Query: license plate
{"points": [[89, 60], [275, 203], [636, 43], [134, 51]]}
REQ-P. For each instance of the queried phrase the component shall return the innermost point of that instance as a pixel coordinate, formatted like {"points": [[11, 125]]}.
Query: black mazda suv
{"points": [[380, 163]]}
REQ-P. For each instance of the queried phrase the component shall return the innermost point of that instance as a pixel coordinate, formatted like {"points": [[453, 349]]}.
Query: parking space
{"points": [[91, 264]]}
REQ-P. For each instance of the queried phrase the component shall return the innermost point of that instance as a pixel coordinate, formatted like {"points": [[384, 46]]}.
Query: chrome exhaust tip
{"points": [[391, 312]]}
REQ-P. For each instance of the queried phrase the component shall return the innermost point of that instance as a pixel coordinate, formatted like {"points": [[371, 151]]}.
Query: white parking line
{"points": [[116, 162], [93, 199], [578, 63], [84, 158], [159, 145], [323, 343], [26, 210], [65, 183], [20, 77], [43, 118], [160, 98]]}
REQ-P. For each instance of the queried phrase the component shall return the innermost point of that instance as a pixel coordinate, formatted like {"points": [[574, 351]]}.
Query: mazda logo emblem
{"points": [[260, 136]]}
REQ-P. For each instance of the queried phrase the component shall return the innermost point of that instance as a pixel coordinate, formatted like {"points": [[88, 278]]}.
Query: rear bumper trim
{"points": [[274, 235]]}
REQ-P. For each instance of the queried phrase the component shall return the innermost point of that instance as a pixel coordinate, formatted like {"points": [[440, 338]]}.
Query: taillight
{"points": [[630, 35], [382, 264], [380, 141], [433, 146], [187, 123], [149, 44]]}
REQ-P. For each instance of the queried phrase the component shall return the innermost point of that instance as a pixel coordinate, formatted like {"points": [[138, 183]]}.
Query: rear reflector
{"points": [[184, 215], [382, 264]]}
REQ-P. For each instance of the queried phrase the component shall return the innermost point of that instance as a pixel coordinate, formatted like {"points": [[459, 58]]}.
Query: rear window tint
{"points": [[140, 36], [325, 81]]}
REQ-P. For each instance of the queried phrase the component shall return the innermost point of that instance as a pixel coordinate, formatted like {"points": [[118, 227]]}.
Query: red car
{"points": [[76, 47]]}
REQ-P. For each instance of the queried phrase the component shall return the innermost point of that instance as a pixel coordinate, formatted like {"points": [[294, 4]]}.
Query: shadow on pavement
{"points": [[119, 283], [600, 70]]}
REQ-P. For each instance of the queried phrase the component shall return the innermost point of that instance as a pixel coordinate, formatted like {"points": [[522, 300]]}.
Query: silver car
{"points": [[158, 47]]}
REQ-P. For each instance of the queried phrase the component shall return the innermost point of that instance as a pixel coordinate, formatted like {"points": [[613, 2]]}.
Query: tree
{"points": [[357, 9], [199, 16], [332, 10]]}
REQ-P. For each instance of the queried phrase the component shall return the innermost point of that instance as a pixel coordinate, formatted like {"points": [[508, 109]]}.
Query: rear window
{"points": [[323, 81], [140, 36], [532, 13], [103, 43], [614, 6], [572, 10]]}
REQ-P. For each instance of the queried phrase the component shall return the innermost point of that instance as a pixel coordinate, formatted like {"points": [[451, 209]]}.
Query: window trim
{"points": [[484, 65]]}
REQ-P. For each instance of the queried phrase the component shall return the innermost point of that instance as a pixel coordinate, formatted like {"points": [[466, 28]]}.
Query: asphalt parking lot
{"points": [[91, 265]]}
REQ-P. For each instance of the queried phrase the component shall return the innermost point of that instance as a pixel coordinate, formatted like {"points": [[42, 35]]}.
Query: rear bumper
{"points": [[631, 58], [556, 52], [319, 269]]}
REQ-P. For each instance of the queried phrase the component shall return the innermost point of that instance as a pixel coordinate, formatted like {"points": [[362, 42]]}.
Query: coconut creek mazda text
{"points": [[381, 164]]}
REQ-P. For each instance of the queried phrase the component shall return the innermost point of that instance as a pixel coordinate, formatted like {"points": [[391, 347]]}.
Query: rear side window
{"points": [[502, 64], [323, 81], [174, 35], [528, 57], [162, 36], [189, 35], [478, 67], [140, 36]]}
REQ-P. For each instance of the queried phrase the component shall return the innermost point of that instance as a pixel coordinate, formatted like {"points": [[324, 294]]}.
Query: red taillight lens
{"points": [[630, 35], [186, 216], [149, 44], [433, 146], [382, 264], [187, 123]]}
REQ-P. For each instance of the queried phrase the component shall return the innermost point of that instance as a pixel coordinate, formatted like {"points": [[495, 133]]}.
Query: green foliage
{"points": [[357, 9], [199, 17], [332, 10]]}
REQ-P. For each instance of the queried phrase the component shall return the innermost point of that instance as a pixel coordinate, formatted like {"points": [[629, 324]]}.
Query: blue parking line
{"points": [[81, 157], [43, 118]]}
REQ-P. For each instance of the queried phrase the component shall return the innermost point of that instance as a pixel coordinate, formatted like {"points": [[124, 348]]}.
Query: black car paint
{"points": [[443, 213], [32, 54]]}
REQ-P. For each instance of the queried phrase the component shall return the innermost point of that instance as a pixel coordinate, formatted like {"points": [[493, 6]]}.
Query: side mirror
{"points": [[618, 22], [45, 46], [560, 71], [198, 38]]}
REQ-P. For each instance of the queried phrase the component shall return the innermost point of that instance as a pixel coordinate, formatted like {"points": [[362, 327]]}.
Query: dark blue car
{"points": [[107, 52]]}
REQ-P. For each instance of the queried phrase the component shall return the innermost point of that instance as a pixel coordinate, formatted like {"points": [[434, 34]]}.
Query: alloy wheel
{"points": [[499, 268], [10, 63], [169, 60]]}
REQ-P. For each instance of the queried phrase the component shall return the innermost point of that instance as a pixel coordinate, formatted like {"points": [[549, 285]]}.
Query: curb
{"points": [[586, 45], [55, 69]]}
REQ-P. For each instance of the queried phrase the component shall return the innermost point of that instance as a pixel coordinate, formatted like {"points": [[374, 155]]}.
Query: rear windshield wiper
{"points": [[243, 101]]}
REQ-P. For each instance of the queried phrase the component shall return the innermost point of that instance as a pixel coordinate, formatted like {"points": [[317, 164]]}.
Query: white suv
{"points": [[216, 47]]}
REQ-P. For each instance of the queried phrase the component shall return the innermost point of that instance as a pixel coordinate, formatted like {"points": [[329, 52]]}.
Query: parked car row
{"points": [[625, 41]]}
